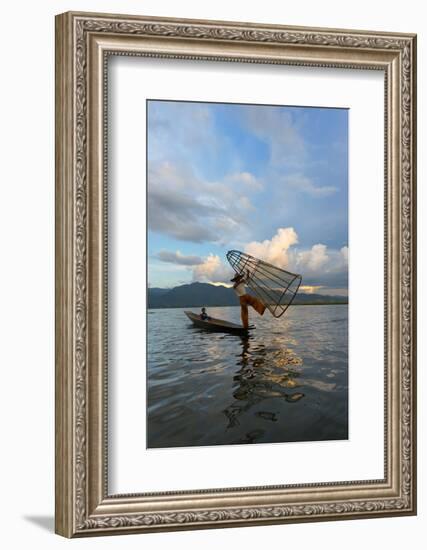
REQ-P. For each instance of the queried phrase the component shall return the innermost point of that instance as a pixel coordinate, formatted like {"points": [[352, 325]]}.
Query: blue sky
{"points": [[268, 180]]}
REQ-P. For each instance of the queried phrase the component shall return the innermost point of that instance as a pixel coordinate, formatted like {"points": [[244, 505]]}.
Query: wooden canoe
{"points": [[218, 325]]}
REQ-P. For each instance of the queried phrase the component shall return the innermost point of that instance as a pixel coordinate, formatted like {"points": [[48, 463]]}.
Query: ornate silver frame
{"points": [[83, 505]]}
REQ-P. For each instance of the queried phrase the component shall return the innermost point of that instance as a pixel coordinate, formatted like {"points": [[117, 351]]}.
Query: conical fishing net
{"points": [[275, 287]]}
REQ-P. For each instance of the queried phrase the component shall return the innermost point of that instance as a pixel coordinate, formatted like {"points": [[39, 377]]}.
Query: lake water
{"points": [[287, 381]]}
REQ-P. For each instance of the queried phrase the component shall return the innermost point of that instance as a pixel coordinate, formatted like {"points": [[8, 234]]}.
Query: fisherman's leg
{"points": [[258, 306], [244, 313]]}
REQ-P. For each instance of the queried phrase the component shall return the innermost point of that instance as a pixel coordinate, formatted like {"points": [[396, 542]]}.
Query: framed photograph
{"points": [[235, 274]]}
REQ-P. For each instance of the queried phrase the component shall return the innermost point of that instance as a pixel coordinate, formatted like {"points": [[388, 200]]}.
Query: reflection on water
{"points": [[287, 381], [258, 379]]}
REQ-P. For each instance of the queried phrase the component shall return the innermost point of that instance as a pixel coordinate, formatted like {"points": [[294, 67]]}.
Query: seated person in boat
{"points": [[245, 299], [203, 315]]}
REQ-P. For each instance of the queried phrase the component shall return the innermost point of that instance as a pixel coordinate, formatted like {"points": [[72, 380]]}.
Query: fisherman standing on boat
{"points": [[245, 299]]}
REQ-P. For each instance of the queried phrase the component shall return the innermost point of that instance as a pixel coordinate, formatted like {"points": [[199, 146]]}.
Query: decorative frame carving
{"points": [[83, 43]]}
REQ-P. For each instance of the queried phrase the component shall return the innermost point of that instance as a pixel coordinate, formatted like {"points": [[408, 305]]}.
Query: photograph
{"points": [[247, 273], [235, 271]]}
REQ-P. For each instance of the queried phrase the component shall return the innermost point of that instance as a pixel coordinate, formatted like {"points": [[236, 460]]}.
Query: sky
{"points": [[271, 181]]}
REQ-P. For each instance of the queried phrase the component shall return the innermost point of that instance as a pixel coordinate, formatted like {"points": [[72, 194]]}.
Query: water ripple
{"points": [[287, 381]]}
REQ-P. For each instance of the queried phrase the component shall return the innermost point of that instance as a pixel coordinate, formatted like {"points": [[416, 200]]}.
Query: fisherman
{"points": [[203, 315], [245, 299]]}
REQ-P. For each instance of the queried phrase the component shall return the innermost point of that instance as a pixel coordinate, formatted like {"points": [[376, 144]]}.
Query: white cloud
{"points": [[277, 128], [313, 259], [321, 268], [305, 185], [185, 207], [321, 264], [212, 270], [245, 203], [318, 265], [178, 258], [274, 251], [247, 180], [177, 127]]}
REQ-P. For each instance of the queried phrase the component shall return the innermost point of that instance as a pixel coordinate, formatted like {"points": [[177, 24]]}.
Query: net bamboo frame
{"points": [[274, 286]]}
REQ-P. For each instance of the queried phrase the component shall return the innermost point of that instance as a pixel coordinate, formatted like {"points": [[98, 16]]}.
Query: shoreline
{"points": [[292, 305]]}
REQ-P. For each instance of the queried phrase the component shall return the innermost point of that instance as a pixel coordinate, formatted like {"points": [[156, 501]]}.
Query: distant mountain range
{"points": [[207, 295]]}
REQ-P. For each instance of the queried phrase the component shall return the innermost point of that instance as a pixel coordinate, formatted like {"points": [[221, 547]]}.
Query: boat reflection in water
{"points": [[286, 381]]}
